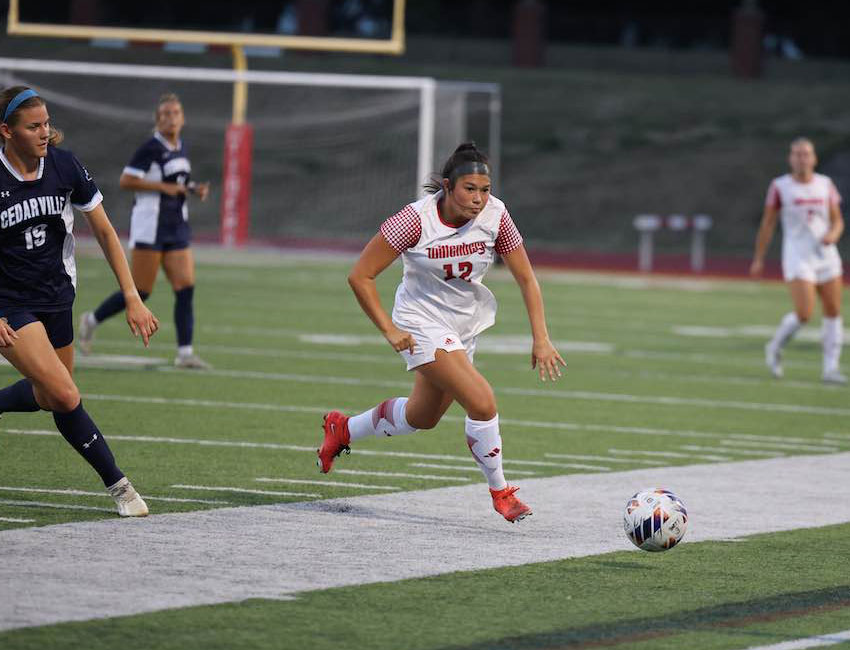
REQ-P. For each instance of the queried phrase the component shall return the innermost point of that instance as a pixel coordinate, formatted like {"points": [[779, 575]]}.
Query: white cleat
{"points": [[85, 332], [834, 377], [191, 362], [129, 503], [773, 361]]}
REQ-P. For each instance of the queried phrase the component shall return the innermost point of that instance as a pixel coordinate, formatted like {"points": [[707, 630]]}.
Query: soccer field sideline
{"points": [[231, 554]]}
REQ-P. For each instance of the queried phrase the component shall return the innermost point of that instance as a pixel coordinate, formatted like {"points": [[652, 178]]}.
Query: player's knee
{"points": [[482, 409], [63, 399], [422, 422]]}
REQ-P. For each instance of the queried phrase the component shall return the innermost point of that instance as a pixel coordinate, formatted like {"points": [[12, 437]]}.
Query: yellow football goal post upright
{"points": [[238, 146], [236, 171]]}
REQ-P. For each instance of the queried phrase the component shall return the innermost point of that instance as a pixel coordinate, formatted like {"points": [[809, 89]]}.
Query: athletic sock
{"points": [[83, 435], [788, 327], [19, 398], [112, 305], [485, 443], [386, 419], [184, 317], [832, 339]]}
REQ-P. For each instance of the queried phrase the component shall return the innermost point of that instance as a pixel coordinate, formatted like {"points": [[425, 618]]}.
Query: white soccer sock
{"points": [[485, 443], [788, 327], [91, 321], [833, 339], [184, 350], [386, 419]]}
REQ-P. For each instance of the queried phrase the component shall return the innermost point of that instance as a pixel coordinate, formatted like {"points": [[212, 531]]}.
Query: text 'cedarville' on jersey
{"points": [[40, 206]]}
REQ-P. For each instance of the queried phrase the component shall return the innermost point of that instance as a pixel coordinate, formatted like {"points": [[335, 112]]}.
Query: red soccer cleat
{"points": [[335, 442], [507, 505]]}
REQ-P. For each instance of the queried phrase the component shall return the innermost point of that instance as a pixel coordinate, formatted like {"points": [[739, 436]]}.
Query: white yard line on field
{"points": [[767, 444], [818, 641], [273, 352], [86, 493], [301, 448], [225, 488], [47, 504], [763, 332], [756, 360], [663, 400], [470, 468], [424, 477], [607, 459], [233, 554], [667, 454], [783, 439], [16, 520], [361, 486], [733, 451], [530, 392]]}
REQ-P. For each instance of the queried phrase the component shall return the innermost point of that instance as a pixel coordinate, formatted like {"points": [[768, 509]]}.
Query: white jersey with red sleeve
{"points": [[444, 265], [804, 211]]}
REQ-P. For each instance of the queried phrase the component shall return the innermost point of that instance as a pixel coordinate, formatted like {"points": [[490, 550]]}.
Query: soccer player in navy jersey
{"points": [[39, 185], [159, 173]]}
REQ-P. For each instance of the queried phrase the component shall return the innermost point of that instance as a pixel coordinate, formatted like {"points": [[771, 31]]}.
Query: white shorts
{"points": [[431, 337], [813, 268]]}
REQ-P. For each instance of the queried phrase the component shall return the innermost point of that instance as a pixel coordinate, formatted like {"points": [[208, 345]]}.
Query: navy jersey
{"points": [[156, 214], [37, 268]]}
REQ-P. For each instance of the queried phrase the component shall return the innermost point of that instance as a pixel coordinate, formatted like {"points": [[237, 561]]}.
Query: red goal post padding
{"points": [[236, 185]]}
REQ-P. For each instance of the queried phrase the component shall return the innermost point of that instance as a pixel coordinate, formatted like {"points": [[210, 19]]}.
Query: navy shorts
{"points": [[169, 237], [164, 247], [59, 324]]}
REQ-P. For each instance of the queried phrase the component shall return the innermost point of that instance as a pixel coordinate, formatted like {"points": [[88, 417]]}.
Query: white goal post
{"points": [[427, 118]]}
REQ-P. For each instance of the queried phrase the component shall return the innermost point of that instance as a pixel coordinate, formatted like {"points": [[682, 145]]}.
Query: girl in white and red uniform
{"points": [[809, 206], [447, 242]]}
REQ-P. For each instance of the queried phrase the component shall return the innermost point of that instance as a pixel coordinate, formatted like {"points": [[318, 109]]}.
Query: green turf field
{"points": [[662, 372]]}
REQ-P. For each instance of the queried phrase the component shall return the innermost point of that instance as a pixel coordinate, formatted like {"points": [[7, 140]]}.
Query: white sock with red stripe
{"points": [[833, 339], [386, 419], [485, 443]]}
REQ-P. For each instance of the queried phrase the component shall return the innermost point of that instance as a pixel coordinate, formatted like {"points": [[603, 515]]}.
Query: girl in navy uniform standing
{"points": [[159, 173], [39, 184]]}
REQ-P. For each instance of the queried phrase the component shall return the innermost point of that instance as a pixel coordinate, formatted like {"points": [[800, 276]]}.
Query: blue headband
{"points": [[17, 100]]}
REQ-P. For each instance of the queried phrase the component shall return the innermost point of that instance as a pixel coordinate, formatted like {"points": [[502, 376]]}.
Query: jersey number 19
{"points": [[35, 236]]}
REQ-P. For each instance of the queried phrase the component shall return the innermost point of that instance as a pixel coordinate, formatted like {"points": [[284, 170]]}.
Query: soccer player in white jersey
{"points": [[39, 186], [447, 242], [810, 208]]}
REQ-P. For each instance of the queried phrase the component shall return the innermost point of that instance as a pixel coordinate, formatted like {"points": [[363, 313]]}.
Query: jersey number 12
{"points": [[35, 236], [464, 271]]}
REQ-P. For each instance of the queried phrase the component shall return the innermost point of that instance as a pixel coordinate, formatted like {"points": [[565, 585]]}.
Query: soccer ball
{"points": [[655, 519]]}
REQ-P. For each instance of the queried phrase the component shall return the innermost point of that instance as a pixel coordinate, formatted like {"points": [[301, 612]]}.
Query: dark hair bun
{"points": [[467, 146]]}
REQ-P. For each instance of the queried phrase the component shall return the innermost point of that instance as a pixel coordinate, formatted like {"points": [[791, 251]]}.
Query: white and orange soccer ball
{"points": [[655, 519]]}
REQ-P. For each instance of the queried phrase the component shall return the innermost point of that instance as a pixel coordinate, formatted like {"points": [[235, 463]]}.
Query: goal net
{"points": [[333, 155]]}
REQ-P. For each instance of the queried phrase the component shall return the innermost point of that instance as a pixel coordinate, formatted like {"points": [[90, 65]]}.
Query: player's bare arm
{"points": [[765, 235], [376, 257], [136, 184], [140, 319], [836, 226], [544, 356]]}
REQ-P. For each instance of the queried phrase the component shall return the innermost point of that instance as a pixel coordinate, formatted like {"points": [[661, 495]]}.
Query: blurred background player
{"points": [[447, 242], [809, 205], [39, 184], [159, 173]]}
